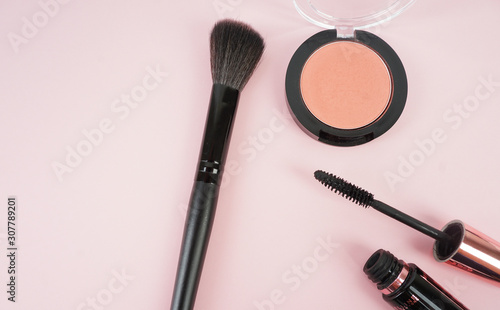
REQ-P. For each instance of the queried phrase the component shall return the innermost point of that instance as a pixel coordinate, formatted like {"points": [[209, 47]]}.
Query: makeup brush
{"points": [[366, 199], [235, 51]]}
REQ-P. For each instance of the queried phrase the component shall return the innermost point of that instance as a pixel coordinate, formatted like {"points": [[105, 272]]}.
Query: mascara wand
{"points": [[366, 199], [457, 244]]}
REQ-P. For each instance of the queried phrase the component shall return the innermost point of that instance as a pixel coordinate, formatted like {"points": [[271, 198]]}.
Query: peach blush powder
{"points": [[346, 85]]}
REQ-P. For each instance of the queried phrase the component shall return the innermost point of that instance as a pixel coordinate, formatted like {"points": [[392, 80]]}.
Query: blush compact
{"points": [[346, 86]]}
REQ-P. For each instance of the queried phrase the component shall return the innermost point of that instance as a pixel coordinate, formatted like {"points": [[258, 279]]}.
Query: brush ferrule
{"points": [[218, 127]]}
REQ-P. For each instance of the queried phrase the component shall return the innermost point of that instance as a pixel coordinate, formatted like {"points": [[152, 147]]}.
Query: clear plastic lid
{"points": [[348, 15]]}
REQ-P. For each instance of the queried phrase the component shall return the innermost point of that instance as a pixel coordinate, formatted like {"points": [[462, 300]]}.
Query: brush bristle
{"points": [[235, 51], [344, 188]]}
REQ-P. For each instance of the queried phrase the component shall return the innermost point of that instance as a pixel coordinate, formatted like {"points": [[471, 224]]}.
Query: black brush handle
{"points": [[218, 128], [199, 221], [202, 205]]}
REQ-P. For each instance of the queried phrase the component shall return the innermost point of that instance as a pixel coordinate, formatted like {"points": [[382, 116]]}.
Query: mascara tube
{"points": [[405, 286]]}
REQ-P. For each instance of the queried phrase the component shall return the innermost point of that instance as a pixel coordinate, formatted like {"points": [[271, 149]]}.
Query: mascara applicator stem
{"points": [[409, 221]]}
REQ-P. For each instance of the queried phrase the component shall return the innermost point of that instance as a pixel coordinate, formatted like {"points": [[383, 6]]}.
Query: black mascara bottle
{"points": [[405, 286]]}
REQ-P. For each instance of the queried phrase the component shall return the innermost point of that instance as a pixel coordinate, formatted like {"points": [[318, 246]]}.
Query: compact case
{"points": [[346, 86]]}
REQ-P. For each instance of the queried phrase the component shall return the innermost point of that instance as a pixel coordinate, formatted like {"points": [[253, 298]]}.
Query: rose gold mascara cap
{"points": [[469, 250]]}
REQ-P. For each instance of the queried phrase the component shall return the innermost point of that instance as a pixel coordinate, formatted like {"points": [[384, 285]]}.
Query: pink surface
{"points": [[115, 97]]}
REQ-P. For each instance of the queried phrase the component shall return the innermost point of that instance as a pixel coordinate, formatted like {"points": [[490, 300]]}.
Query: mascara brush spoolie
{"points": [[457, 244], [235, 51]]}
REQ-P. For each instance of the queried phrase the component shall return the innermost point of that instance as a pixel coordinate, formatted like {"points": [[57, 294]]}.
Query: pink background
{"points": [[106, 231]]}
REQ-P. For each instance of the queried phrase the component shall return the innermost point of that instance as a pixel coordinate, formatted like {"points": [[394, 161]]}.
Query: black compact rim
{"points": [[336, 136]]}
